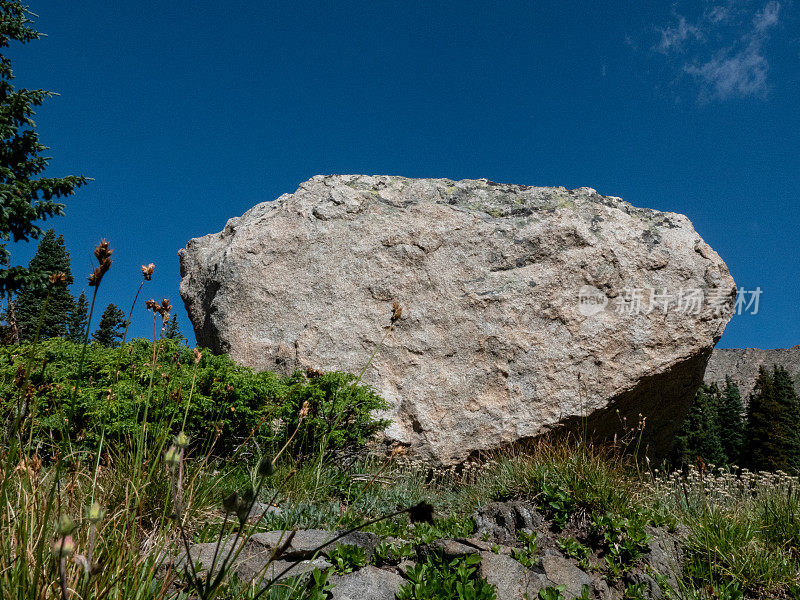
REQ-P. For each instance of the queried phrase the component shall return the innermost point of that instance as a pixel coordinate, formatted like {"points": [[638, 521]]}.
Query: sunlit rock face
{"points": [[742, 365], [524, 309]]}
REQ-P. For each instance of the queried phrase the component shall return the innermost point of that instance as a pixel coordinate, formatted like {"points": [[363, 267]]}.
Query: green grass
{"points": [[94, 446]]}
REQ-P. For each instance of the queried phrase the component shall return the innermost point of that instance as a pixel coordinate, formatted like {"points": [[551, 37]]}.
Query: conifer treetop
{"points": [[25, 195]]}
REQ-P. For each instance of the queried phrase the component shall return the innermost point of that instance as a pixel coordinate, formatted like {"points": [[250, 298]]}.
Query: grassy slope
{"points": [[745, 528]]}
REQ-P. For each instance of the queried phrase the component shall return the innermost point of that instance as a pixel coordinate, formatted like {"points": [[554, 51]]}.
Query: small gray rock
{"points": [[562, 571], [501, 521], [512, 580], [306, 541], [369, 583]]}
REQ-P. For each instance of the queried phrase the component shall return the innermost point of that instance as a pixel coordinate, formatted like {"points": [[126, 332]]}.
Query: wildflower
{"points": [[95, 513], [65, 525], [147, 271], [197, 355], [265, 467], [181, 440], [64, 546], [172, 457], [304, 410], [230, 503], [103, 255]]}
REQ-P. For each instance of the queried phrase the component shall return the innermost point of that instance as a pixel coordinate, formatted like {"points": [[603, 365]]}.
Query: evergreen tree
{"points": [[699, 436], [112, 325], [51, 257], [172, 331], [730, 416], [763, 448], [788, 418], [25, 196], [78, 319]]}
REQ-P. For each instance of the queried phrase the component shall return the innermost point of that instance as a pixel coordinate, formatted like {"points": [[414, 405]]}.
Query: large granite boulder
{"points": [[524, 308]]}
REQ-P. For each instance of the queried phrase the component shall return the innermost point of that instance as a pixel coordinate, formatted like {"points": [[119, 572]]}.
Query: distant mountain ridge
{"points": [[742, 365]]}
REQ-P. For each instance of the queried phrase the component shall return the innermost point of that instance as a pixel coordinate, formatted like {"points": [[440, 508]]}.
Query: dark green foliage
{"points": [[772, 440], [624, 540], [339, 413], [392, 553], [346, 558], [441, 579], [230, 404], [526, 555], [78, 319], [111, 328], [172, 331], [730, 413], [51, 257], [24, 197], [699, 437], [556, 502], [788, 417]]}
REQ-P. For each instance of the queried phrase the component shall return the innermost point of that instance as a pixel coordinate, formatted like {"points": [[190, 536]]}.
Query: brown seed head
{"points": [[152, 305], [397, 312], [102, 252], [57, 278], [147, 271], [197, 355], [304, 410], [95, 277]]}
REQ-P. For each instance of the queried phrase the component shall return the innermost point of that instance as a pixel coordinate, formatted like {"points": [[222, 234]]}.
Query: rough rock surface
{"points": [[494, 346], [512, 579], [370, 583], [742, 365]]}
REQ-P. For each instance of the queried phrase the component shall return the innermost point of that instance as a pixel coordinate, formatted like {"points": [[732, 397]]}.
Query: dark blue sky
{"points": [[188, 113]]}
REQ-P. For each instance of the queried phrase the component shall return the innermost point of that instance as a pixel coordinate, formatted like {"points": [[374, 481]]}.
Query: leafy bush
{"points": [[346, 558], [624, 541], [440, 579], [339, 412], [574, 549], [526, 555], [392, 554], [223, 404]]}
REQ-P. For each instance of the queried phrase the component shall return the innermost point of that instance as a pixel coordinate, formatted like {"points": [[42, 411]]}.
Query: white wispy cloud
{"points": [[743, 73], [723, 50], [674, 36]]}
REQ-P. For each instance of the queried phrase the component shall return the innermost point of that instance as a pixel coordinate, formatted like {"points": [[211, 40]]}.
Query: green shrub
{"points": [[526, 555], [392, 554], [339, 413], [624, 540], [574, 549], [346, 558], [230, 404], [440, 579]]}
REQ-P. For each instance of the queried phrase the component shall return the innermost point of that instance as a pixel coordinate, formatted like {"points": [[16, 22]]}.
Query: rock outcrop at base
{"points": [[524, 309]]}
